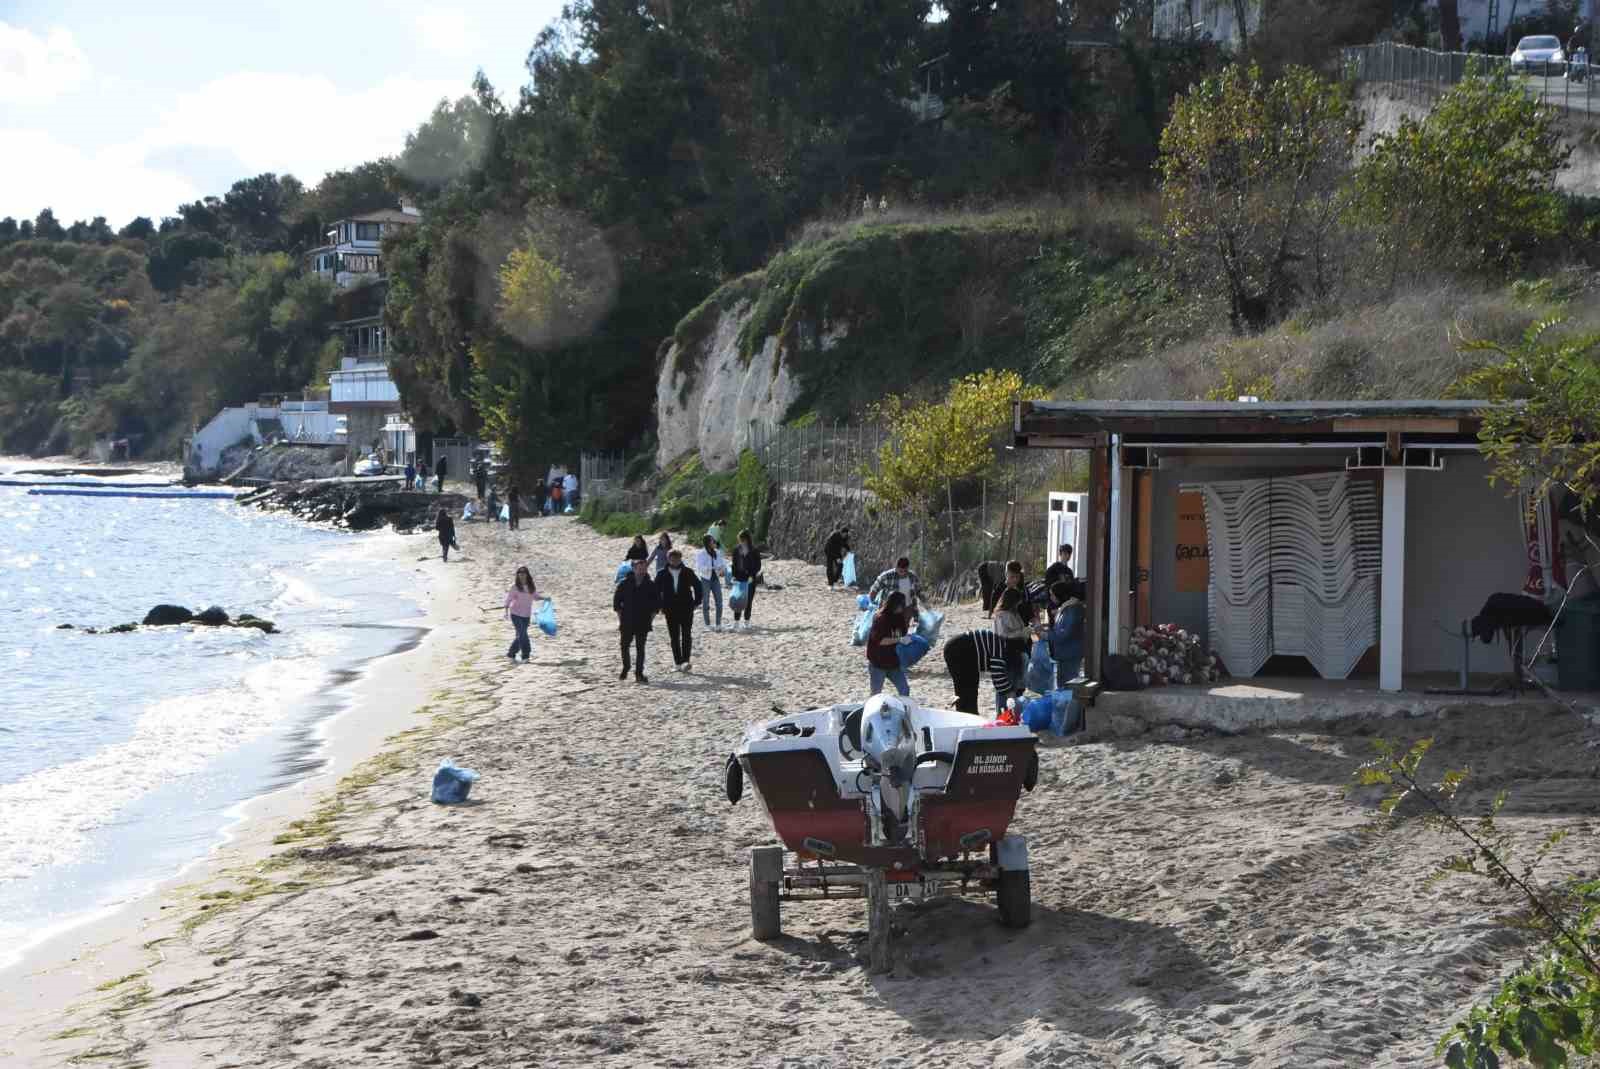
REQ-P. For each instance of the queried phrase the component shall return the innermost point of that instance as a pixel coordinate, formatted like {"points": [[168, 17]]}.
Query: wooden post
{"points": [[1095, 570], [880, 945], [766, 879]]}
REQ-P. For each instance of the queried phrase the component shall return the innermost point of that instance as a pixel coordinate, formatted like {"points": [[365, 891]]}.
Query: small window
{"points": [[367, 231]]}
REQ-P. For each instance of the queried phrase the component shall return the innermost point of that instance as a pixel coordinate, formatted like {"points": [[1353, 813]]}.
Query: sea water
{"points": [[124, 757]]}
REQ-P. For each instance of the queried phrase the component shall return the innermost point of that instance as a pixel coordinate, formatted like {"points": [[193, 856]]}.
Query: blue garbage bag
{"points": [[740, 595], [928, 624], [1041, 674], [912, 652], [863, 602], [547, 617], [849, 569], [1058, 711], [623, 569], [451, 783], [858, 637], [1036, 713]]}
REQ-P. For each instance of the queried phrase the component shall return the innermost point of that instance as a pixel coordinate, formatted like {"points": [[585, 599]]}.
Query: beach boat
{"points": [[890, 801]]}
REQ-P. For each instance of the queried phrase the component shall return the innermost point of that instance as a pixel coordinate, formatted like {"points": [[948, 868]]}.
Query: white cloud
{"points": [[446, 30], [38, 68], [113, 182], [303, 125]]}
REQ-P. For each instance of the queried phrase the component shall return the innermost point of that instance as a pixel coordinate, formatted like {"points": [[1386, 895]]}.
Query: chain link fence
{"points": [[1421, 75]]}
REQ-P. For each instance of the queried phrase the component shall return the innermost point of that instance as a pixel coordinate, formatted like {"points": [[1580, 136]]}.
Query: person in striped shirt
{"points": [[967, 657]]}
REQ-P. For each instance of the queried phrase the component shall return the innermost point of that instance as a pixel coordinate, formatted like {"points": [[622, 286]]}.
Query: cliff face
{"points": [[708, 395]]}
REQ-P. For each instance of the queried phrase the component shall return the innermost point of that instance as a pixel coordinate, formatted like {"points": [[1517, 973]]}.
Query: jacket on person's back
{"points": [[746, 563], [1066, 635], [837, 545], [884, 626], [440, 469], [888, 582], [678, 598], [989, 650], [638, 601]]}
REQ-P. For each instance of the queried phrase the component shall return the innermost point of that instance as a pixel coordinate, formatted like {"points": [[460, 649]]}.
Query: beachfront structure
{"points": [[361, 389], [1331, 540], [299, 421]]}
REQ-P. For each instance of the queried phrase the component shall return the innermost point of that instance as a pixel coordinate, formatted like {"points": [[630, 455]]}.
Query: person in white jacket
{"points": [[712, 567]]}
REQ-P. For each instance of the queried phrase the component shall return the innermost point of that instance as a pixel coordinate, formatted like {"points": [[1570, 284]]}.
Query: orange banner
{"points": [[1192, 557]]}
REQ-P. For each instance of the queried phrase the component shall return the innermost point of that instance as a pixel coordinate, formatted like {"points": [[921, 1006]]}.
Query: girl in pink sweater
{"points": [[519, 606]]}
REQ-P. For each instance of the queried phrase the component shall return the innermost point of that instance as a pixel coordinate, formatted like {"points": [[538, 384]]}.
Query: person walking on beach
{"points": [[422, 475], [967, 657], [514, 503], [480, 477], [900, 578], [440, 470], [636, 601], [715, 531], [638, 550], [569, 490], [447, 532], [411, 475], [680, 593], [659, 554], [711, 567], [746, 568], [888, 632], [519, 608], [833, 551]]}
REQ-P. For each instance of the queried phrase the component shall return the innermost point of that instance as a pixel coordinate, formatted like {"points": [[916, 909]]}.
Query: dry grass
{"points": [[1407, 346]]}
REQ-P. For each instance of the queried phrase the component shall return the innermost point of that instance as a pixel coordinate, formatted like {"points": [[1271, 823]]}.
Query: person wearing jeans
{"points": [[679, 592], [710, 566], [887, 634], [519, 607], [746, 569]]}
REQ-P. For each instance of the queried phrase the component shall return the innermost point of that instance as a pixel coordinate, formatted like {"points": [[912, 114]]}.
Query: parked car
{"points": [[1538, 54]]}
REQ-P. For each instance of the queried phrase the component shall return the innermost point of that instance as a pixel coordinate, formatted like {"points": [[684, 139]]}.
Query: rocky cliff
{"points": [[708, 394]]}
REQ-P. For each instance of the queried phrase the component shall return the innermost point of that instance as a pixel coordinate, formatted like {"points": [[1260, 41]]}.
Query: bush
{"points": [[600, 514], [752, 496]]}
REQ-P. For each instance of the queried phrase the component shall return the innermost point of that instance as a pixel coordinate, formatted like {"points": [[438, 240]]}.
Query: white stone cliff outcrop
{"points": [[726, 395]]}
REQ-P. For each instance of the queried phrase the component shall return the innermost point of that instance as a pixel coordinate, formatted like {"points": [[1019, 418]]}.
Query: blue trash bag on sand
{"points": [[858, 637], [740, 595], [863, 602], [624, 569], [451, 784], [928, 624], [546, 618], [849, 569], [912, 652], [1041, 674], [1058, 711]]}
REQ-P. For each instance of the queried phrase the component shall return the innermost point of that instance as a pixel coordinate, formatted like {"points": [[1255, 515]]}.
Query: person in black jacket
{"points": [[745, 565], [636, 602], [440, 470], [447, 532], [834, 550], [678, 589]]}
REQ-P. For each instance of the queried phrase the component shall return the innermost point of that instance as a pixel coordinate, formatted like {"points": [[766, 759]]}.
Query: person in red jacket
{"points": [[888, 631]]}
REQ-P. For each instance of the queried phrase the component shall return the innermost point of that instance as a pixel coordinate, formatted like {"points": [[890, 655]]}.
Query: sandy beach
{"points": [[1214, 901]]}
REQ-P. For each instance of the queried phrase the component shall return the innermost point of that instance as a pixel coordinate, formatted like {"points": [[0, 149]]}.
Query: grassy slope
{"points": [[1073, 296]]}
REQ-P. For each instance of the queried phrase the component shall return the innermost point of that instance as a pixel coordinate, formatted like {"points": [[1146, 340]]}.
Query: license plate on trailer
{"points": [[913, 889]]}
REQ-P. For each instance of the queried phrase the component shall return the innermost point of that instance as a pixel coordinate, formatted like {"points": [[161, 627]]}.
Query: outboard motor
{"points": [[890, 743]]}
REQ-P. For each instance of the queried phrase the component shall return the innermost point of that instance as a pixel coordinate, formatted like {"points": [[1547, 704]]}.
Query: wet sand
{"points": [[1210, 902]]}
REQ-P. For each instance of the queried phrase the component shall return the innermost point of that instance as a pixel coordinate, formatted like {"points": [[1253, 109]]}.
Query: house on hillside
{"points": [[361, 389]]}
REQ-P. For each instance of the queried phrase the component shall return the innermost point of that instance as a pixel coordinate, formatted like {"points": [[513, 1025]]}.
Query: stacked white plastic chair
{"points": [[1294, 570]]}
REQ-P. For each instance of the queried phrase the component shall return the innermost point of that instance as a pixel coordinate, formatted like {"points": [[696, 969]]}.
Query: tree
{"points": [[177, 258], [258, 211], [934, 444], [1544, 431], [368, 187], [8, 229], [141, 228], [1450, 25], [450, 144], [46, 228], [1475, 179], [1250, 178]]}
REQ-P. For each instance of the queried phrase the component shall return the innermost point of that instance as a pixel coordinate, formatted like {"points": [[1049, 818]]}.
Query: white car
{"points": [[1539, 54]]}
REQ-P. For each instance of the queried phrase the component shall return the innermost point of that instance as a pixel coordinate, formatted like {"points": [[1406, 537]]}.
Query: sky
{"points": [[123, 110]]}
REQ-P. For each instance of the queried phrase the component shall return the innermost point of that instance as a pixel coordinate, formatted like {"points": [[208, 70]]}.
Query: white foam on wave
{"points": [[49, 814]]}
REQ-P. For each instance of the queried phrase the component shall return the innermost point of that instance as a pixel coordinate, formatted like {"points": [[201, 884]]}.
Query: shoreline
{"points": [[62, 972]]}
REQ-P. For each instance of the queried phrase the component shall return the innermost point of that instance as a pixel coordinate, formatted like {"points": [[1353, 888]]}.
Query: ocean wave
{"points": [[48, 815]]}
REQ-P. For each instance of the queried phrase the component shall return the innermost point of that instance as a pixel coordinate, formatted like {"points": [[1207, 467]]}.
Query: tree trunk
{"points": [[1241, 23], [950, 503], [1450, 25]]}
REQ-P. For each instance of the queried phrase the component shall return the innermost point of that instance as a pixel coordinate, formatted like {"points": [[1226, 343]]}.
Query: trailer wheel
{"points": [[1014, 897], [766, 880]]}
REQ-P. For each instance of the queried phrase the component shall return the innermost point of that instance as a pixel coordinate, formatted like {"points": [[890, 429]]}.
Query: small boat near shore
{"points": [[890, 801]]}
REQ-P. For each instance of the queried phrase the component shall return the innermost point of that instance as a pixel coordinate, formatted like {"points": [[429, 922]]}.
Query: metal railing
{"points": [[1422, 75]]}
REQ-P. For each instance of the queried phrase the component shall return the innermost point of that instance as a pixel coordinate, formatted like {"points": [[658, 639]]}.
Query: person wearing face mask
{"points": [[680, 594]]}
